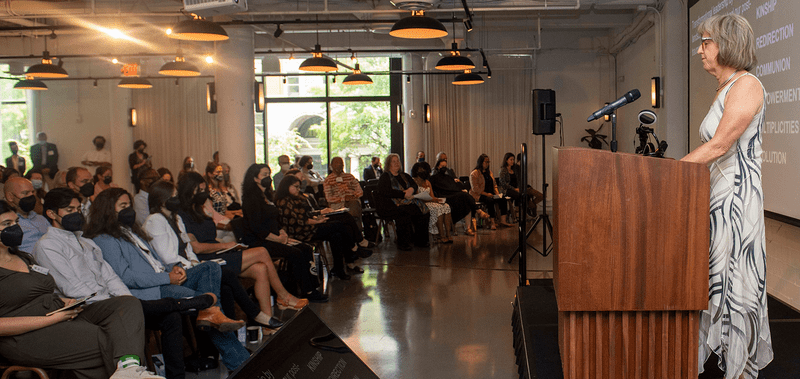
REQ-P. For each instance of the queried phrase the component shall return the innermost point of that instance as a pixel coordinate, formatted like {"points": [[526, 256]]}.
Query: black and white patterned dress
{"points": [[735, 325]]}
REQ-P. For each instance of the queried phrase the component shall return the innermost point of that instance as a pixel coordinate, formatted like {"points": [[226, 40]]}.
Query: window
{"points": [[13, 119], [312, 115]]}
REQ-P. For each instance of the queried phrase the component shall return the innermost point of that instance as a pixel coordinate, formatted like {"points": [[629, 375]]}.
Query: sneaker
{"points": [[134, 372]]}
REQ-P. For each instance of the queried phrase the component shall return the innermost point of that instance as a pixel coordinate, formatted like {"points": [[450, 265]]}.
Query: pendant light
{"points": [[30, 83], [318, 63], [357, 77], [455, 62], [418, 26], [179, 67], [198, 29], [46, 69], [134, 82], [467, 78]]}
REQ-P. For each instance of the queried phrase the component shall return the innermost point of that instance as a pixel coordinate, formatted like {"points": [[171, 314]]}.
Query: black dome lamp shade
{"points": [[46, 69], [317, 62], [467, 78], [418, 26], [357, 77], [31, 84], [455, 62], [198, 29], [179, 67]]}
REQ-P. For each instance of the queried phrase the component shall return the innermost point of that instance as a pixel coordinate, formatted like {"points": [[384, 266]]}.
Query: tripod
{"points": [[547, 227]]}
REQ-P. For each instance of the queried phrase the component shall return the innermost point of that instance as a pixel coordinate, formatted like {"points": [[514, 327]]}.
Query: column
{"points": [[413, 103], [675, 81], [235, 113]]}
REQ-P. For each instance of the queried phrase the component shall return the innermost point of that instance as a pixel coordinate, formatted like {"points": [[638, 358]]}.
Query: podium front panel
{"points": [[631, 232]]}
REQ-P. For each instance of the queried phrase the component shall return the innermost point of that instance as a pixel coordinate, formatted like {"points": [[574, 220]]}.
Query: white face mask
{"points": [[37, 183], [284, 167]]}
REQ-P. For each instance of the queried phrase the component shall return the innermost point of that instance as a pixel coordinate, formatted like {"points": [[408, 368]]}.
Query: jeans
{"points": [[200, 279]]}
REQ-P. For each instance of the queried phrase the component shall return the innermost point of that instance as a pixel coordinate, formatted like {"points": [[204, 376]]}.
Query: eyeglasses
{"points": [[703, 40]]}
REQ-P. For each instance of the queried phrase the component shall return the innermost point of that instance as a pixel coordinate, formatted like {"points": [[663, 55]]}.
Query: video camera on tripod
{"points": [[647, 148]]}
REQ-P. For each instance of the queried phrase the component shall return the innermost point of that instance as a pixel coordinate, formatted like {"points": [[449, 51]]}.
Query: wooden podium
{"points": [[631, 263]]}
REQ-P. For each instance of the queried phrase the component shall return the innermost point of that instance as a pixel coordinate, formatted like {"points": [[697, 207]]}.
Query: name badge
{"points": [[50, 152], [40, 269], [339, 179]]}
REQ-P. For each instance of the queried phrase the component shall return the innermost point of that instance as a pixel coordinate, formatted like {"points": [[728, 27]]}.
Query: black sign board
{"points": [[304, 348]]}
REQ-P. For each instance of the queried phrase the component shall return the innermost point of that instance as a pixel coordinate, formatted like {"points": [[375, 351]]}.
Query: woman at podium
{"points": [[735, 325]]}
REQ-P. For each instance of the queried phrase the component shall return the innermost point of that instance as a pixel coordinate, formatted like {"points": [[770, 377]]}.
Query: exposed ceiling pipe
{"points": [[71, 13]]}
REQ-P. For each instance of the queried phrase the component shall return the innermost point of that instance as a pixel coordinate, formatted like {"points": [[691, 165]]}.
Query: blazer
{"points": [[20, 164], [477, 184], [133, 268], [51, 161], [370, 173]]}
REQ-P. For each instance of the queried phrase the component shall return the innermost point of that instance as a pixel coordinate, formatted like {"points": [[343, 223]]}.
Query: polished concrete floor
{"points": [[440, 312]]}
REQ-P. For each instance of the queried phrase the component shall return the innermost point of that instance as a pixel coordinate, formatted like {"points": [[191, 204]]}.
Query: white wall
{"points": [[73, 112]]}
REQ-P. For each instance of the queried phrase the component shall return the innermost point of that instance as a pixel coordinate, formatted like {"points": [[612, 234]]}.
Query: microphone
{"points": [[629, 97]]}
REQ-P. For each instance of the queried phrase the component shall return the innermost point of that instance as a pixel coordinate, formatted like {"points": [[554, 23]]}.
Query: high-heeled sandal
{"points": [[469, 232], [284, 304]]}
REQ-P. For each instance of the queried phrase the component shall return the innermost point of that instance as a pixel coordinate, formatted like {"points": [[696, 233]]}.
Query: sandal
{"points": [[469, 232], [285, 304]]}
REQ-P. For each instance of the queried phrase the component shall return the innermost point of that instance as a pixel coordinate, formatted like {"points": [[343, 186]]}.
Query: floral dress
{"points": [[436, 209]]}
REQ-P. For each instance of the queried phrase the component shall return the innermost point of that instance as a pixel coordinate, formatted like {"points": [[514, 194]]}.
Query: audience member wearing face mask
{"points": [[374, 170], [285, 165], [311, 179], [20, 194], [139, 161], [186, 167], [15, 161], [217, 191], [254, 263], [98, 156], [461, 203], [440, 222], [79, 180], [39, 187], [103, 179], [127, 250]]}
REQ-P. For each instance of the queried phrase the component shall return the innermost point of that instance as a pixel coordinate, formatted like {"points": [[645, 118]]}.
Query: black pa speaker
{"points": [[544, 111]]}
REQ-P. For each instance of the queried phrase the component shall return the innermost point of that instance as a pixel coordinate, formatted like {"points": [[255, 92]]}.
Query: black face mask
{"points": [[420, 159], [424, 175], [26, 204], [266, 182], [443, 170], [173, 204], [12, 236], [219, 178], [200, 197], [72, 222], [310, 166], [87, 189], [188, 165], [127, 216], [107, 180], [14, 150], [100, 145]]}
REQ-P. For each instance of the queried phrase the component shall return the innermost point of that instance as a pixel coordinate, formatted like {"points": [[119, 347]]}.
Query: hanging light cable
{"points": [[318, 63], [357, 77], [47, 69]]}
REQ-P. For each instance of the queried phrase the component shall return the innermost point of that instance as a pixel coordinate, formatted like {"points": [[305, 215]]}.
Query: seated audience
{"points": [[342, 190], [285, 165], [374, 170], [15, 161], [395, 201], [442, 156], [102, 179], [79, 180], [102, 339], [171, 243], [234, 201], [38, 181], [296, 217], [440, 221], [263, 228], [484, 189], [79, 270], [166, 174], [311, 179], [509, 185], [20, 195], [124, 245], [254, 263], [461, 202], [138, 161], [217, 191], [146, 179], [99, 156], [187, 167]]}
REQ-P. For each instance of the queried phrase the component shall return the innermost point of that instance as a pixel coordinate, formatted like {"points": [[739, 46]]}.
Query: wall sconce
{"points": [[258, 93], [132, 118], [608, 116], [399, 113], [427, 113], [655, 92], [211, 97]]}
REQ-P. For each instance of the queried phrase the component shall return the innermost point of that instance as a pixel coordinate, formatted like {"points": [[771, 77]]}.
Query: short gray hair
{"points": [[735, 38]]}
